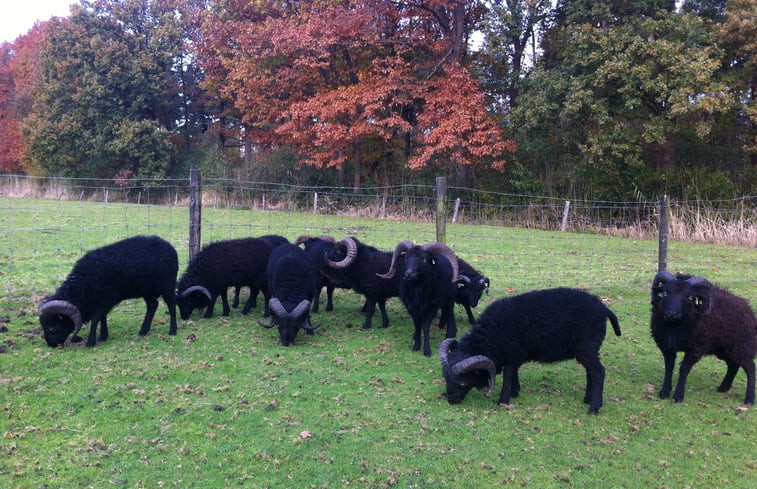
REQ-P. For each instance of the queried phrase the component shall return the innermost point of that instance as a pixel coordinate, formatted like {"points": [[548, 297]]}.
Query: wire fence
{"points": [[524, 241]]}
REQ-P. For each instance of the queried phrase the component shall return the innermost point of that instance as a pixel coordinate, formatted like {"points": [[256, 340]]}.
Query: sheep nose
{"points": [[411, 275], [673, 315]]}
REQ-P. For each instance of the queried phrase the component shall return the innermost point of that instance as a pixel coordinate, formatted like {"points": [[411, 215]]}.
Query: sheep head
{"points": [[192, 298], [344, 254], [61, 321], [289, 323], [462, 373], [681, 297]]}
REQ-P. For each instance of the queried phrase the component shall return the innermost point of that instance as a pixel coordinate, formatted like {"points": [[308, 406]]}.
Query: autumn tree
{"points": [[333, 78], [18, 62]]}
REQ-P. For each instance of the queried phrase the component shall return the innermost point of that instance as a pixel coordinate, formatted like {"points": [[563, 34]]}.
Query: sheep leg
{"points": [[471, 319], [316, 298], [237, 289], [750, 370], [330, 297], [689, 359], [370, 308], [595, 379], [509, 379], [667, 381], [384, 316], [225, 304], [417, 334], [730, 374], [427, 336], [96, 319], [211, 305], [152, 306], [515, 387], [170, 299], [449, 313], [104, 328], [247, 306]]}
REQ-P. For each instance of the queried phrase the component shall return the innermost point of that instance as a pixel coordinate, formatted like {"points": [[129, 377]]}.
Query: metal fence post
{"points": [[565, 212], [441, 214], [662, 252], [195, 212]]}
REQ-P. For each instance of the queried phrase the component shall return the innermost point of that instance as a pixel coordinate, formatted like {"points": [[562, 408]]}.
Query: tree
{"points": [[113, 90], [329, 76], [18, 61], [618, 93]]}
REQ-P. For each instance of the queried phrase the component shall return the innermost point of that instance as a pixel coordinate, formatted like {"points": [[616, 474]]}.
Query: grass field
{"points": [[222, 404]]}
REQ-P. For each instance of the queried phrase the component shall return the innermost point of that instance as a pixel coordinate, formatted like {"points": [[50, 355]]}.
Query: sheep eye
{"points": [[696, 300], [662, 293]]}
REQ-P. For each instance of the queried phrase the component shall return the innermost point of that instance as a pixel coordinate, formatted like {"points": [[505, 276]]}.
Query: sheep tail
{"points": [[614, 320]]}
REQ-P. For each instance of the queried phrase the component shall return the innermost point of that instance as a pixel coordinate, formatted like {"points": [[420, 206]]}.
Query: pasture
{"points": [[222, 404]]}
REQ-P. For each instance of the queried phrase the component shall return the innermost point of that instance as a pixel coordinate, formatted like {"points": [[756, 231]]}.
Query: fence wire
{"points": [[48, 223]]}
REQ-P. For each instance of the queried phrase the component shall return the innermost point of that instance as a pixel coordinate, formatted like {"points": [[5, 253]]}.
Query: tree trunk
{"points": [[358, 156]]}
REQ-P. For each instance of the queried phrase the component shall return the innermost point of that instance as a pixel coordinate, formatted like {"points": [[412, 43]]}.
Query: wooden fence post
{"points": [[441, 217], [662, 251], [565, 212], [195, 213]]}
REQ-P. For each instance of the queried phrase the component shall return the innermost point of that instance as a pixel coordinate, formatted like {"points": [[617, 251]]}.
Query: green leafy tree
{"points": [[111, 93]]}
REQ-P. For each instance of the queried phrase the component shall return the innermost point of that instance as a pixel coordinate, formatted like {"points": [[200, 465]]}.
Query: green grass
{"points": [[222, 404]]}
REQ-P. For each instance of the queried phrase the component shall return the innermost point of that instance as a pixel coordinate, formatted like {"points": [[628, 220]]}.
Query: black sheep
{"points": [[141, 266], [274, 240], [543, 326], [471, 285], [359, 265], [693, 316], [292, 279], [221, 265], [428, 283], [317, 249]]}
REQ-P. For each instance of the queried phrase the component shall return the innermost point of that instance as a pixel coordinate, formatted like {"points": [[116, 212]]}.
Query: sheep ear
{"points": [[703, 293]]}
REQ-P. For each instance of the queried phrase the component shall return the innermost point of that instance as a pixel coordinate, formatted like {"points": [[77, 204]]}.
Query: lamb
{"points": [[140, 266], [330, 278], [292, 278], [693, 316], [360, 265], [543, 326], [217, 267], [471, 286], [274, 240], [428, 283]]}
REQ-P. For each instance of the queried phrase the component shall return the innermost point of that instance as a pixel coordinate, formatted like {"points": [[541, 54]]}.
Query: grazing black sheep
{"points": [[542, 326], [217, 267], [292, 279], [142, 266], [359, 264], [275, 240], [471, 285], [693, 316], [428, 283], [330, 278]]}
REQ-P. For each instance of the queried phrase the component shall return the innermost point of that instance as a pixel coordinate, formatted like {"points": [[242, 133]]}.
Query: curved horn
{"points": [[477, 362], [197, 288], [64, 308], [302, 308], [278, 308], [662, 277], [464, 278], [402, 246], [696, 281], [301, 239], [444, 350], [441, 249], [271, 323], [351, 246], [309, 327], [328, 239]]}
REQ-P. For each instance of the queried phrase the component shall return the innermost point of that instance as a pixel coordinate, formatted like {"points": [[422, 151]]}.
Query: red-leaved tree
{"points": [[329, 76]]}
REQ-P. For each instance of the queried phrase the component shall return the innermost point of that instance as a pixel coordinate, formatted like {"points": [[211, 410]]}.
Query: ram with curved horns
{"points": [[428, 283], [141, 266], [358, 266], [292, 280]]}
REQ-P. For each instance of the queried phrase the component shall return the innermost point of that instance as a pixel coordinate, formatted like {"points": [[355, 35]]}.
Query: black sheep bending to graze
{"points": [[471, 285], [217, 267], [359, 264], [141, 266], [275, 241], [428, 284], [693, 316], [331, 278], [541, 326], [292, 279]]}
